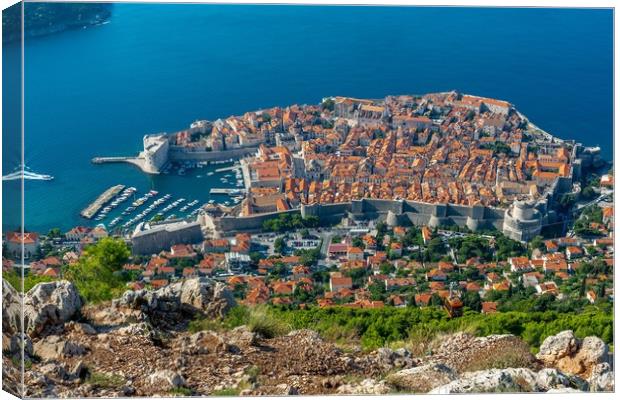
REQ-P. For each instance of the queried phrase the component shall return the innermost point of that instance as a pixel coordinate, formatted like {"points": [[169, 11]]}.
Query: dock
{"points": [[232, 168], [103, 160], [139, 162], [233, 191], [103, 198]]}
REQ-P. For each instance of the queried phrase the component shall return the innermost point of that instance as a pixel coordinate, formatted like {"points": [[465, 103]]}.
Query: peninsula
{"points": [[438, 159], [41, 19]]}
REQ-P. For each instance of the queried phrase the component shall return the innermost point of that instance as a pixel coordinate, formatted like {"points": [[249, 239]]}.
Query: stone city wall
{"points": [[406, 212], [180, 154], [251, 223]]}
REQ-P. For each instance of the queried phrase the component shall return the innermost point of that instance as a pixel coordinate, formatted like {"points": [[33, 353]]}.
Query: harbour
{"points": [[122, 207]]}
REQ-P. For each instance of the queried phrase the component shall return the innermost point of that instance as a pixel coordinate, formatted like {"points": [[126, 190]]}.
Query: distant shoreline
{"points": [[44, 19]]}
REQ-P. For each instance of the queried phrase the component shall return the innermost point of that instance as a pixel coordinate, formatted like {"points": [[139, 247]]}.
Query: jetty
{"points": [[103, 160], [140, 162], [103, 198], [232, 168], [226, 191]]}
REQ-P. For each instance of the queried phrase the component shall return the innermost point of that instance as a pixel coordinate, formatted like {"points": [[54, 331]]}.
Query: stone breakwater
{"points": [[139, 345], [158, 153]]}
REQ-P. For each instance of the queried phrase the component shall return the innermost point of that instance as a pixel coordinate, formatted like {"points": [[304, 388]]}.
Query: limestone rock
{"points": [[203, 342], [573, 356], [602, 378], [11, 309], [166, 380], [305, 337], [367, 386], [13, 344], [54, 347], [138, 329], [53, 370], [241, 336], [558, 346], [464, 352], [549, 378], [191, 295], [422, 379], [491, 380], [286, 390], [79, 370], [388, 359], [593, 351], [81, 328], [50, 303]]}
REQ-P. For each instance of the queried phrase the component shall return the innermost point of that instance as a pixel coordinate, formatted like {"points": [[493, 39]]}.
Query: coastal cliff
{"points": [[42, 19], [141, 345]]}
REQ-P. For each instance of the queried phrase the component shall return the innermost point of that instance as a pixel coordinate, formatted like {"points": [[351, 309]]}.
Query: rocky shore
{"points": [[139, 345], [42, 19]]}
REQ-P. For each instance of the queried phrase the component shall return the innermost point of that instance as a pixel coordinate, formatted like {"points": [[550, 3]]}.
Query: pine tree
{"points": [[601, 291], [582, 290]]}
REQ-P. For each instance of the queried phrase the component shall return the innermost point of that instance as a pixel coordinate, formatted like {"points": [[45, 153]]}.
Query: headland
{"points": [[438, 159]]}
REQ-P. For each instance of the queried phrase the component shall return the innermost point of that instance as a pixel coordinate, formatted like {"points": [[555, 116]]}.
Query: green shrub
{"points": [[107, 381], [261, 321], [226, 392], [419, 326], [97, 273], [511, 356], [181, 391], [30, 280]]}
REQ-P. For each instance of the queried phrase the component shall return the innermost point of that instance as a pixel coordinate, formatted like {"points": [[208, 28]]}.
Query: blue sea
{"points": [[158, 67]]}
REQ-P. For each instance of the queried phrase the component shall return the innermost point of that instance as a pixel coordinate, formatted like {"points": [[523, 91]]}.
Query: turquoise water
{"points": [[159, 67]]}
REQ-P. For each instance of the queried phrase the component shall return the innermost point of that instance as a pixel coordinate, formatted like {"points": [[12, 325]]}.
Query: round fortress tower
{"points": [[522, 221], [391, 220], [523, 210]]}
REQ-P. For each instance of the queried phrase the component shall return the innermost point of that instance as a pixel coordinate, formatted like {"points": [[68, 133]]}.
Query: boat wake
{"points": [[25, 174]]}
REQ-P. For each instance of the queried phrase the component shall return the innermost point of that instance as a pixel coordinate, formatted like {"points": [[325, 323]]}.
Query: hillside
{"points": [[145, 344]]}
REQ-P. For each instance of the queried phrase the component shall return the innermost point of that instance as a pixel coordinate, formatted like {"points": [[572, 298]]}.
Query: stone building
{"points": [[155, 154], [153, 239], [522, 221]]}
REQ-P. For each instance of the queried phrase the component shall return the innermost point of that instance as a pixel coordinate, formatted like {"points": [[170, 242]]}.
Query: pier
{"points": [[103, 160], [227, 191], [232, 168], [139, 162], [103, 198]]}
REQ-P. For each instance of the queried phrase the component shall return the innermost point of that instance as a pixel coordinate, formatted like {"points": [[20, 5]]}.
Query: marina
{"points": [[122, 207]]}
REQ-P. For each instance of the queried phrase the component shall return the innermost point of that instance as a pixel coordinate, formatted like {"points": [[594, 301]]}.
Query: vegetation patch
{"points": [[419, 326], [181, 391], [107, 381], [227, 392]]}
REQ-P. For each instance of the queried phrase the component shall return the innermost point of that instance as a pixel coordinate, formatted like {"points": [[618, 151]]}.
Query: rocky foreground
{"points": [[139, 345]]}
